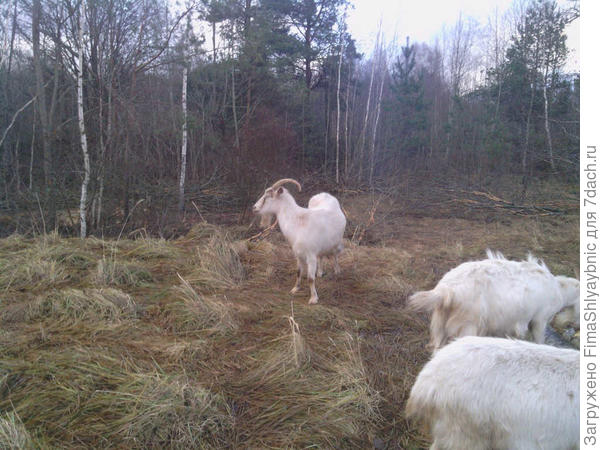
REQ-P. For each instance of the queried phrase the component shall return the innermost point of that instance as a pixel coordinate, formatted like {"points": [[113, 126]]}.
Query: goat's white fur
{"points": [[313, 232], [495, 297], [484, 393], [325, 201]]}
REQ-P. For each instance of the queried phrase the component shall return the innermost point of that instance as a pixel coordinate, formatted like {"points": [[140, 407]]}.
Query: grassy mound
{"points": [[192, 312], [112, 272], [217, 264], [79, 397]]}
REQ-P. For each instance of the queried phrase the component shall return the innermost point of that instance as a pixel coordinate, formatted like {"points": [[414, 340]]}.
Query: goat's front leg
{"points": [[298, 276], [311, 269]]}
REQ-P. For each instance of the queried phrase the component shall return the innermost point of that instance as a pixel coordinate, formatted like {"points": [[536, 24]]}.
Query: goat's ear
{"points": [[280, 191]]}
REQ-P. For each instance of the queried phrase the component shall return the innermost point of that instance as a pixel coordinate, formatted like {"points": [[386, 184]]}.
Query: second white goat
{"points": [[481, 393], [313, 232], [495, 297]]}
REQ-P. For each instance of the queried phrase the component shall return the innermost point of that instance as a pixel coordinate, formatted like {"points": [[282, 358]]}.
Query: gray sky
{"points": [[424, 20]]}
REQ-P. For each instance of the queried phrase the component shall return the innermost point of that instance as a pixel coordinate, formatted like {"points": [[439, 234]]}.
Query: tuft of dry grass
{"points": [[147, 248], [193, 312], [13, 434], [92, 305], [299, 348], [201, 231], [30, 273], [218, 265], [41, 263], [109, 271], [326, 401], [89, 304]]}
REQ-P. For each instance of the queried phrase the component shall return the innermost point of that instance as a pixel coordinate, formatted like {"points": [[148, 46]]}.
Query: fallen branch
{"points": [[264, 233], [500, 203]]}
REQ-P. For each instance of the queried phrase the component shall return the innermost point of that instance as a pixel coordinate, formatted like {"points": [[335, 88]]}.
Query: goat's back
{"points": [[503, 292], [318, 229], [323, 200]]}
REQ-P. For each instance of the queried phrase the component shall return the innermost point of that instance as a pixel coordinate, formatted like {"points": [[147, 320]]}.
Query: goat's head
{"points": [[569, 288], [268, 205]]}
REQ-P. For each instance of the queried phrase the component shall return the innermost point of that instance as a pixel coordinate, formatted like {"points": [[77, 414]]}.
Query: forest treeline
{"points": [[196, 106]]}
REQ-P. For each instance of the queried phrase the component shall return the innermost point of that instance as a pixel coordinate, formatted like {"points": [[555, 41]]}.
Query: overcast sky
{"points": [[423, 20]]}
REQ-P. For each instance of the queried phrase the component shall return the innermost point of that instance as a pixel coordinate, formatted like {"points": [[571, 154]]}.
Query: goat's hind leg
{"points": [[299, 276], [320, 262], [336, 265], [311, 269], [538, 330]]}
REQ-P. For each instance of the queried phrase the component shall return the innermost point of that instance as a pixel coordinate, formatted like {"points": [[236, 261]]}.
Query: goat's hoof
{"points": [[313, 301], [294, 290]]}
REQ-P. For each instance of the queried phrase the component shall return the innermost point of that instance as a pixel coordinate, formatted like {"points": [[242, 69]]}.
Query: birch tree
{"points": [[381, 62], [84, 147], [363, 132], [337, 125], [184, 113], [183, 135], [553, 56]]}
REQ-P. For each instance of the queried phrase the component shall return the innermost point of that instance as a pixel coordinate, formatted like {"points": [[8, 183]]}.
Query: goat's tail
{"points": [[494, 254], [439, 300], [430, 300]]}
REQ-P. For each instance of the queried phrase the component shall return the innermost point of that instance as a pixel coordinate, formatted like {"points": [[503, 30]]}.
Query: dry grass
{"points": [[83, 398], [13, 434], [102, 344], [111, 272], [93, 305], [90, 304], [217, 264], [298, 397], [192, 312]]}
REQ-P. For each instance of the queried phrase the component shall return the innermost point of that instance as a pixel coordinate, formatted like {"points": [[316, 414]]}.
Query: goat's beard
{"points": [[266, 220]]}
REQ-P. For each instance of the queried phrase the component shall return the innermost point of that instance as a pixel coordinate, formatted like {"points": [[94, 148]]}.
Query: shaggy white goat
{"points": [[492, 393], [312, 232], [495, 297]]}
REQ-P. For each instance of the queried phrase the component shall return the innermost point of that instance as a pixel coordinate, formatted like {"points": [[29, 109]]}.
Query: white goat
{"points": [[495, 297], [312, 232], [492, 393]]}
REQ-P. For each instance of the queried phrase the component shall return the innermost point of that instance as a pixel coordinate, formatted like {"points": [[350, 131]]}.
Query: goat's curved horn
{"points": [[286, 180]]}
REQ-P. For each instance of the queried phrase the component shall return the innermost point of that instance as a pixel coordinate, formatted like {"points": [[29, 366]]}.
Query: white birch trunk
{"points": [[364, 128], [346, 146], [337, 128], [183, 139], [546, 121], [84, 148], [31, 153], [382, 62], [235, 121]]}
